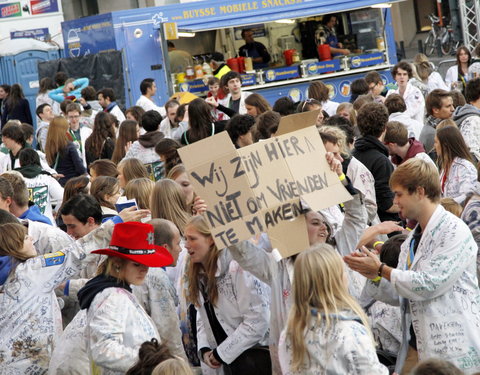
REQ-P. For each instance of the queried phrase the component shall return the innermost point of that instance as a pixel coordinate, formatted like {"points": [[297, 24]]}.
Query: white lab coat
{"points": [[461, 180], [242, 309], [30, 320], [346, 348], [45, 191], [6, 163], [362, 180], [242, 110], [47, 238], [70, 354], [435, 81], [159, 299], [439, 294], [414, 100], [279, 275], [149, 105], [118, 113], [116, 328], [85, 132], [330, 107], [414, 127]]}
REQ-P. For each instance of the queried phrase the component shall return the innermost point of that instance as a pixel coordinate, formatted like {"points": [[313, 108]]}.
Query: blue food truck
{"points": [[364, 27]]}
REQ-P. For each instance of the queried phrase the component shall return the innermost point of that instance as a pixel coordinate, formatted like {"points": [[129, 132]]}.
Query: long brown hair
{"points": [[126, 133], [102, 186], [200, 120], [452, 145], [12, 237], [57, 139], [259, 102], [102, 130], [195, 270]]}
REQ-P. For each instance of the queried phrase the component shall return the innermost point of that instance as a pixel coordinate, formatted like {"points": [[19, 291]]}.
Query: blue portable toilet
{"points": [[19, 60]]}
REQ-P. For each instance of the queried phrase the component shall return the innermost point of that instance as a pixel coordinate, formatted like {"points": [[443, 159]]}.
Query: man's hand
{"points": [[210, 360], [366, 263]]}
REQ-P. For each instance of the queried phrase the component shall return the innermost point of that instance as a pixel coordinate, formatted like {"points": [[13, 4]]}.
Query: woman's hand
{"points": [[127, 146], [334, 163], [211, 100], [199, 206]]}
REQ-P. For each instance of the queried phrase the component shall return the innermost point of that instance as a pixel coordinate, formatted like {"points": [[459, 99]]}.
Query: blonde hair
{"points": [[340, 135], [447, 122], [167, 201], [415, 173], [132, 168], [110, 265], [451, 206], [318, 284], [57, 139], [172, 366], [140, 189], [176, 171], [12, 238], [195, 269], [346, 106]]}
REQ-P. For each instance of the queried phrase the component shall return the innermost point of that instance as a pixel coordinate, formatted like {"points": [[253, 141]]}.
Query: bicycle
{"points": [[439, 34]]}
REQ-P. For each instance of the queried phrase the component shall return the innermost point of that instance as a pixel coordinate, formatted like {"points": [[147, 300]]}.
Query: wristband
{"points": [[409, 229], [342, 177], [377, 243], [380, 269], [377, 279]]}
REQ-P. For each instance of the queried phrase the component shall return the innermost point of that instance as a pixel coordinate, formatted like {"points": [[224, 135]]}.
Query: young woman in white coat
{"points": [[116, 324], [239, 301], [327, 331], [458, 174], [278, 274], [30, 319]]}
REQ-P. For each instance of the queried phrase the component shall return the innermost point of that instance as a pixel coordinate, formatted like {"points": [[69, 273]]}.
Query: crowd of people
{"points": [[107, 265]]}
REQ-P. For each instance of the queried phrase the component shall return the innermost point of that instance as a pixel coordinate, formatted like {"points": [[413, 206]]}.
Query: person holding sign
{"points": [[232, 305], [435, 282], [278, 274], [325, 320]]}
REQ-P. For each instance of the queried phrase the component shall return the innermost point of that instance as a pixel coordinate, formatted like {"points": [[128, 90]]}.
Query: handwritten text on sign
{"points": [[258, 188]]}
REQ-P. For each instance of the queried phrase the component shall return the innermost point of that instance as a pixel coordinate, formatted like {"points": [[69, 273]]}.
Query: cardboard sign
{"points": [[263, 187], [297, 121]]}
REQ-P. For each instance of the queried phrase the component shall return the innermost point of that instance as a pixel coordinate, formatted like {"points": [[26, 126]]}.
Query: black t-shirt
{"points": [[235, 105], [417, 236]]}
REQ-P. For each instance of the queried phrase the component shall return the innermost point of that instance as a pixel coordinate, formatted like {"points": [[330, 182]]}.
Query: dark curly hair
{"points": [[150, 354], [372, 119]]}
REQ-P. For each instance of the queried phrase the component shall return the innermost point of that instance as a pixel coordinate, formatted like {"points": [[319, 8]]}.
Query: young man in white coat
{"points": [[236, 98], [401, 73], [78, 133], [435, 282]]}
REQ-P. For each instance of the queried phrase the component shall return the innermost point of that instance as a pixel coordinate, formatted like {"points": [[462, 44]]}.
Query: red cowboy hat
{"points": [[135, 241]]}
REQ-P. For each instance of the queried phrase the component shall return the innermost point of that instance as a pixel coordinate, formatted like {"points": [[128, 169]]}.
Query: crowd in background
{"points": [[89, 284]]}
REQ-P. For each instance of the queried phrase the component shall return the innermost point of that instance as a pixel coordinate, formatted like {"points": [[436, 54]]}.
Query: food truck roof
{"points": [[214, 14]]}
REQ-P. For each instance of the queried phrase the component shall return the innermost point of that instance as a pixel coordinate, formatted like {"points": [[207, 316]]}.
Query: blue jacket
{"points": [[59, 96], [33, 213]]}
